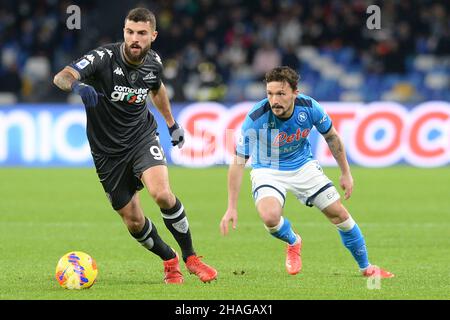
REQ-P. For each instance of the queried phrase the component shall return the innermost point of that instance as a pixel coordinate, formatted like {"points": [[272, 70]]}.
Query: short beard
{"points": [[285, 114], [134, 58]]}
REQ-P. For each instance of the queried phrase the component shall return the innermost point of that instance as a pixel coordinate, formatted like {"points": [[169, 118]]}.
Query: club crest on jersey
{"points": [[302, 117], [133, 76]]}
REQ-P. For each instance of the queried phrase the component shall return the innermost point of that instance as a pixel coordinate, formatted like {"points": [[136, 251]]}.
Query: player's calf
{"points": [[353, 239], [283, 231], [149, 238], [176, 221]]}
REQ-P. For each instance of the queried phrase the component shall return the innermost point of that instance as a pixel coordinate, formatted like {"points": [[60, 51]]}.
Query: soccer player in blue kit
{"points": [[275, 135]]}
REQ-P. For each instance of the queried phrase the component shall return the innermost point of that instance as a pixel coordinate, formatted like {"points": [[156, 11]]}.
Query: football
{"points": [[76, 270]]}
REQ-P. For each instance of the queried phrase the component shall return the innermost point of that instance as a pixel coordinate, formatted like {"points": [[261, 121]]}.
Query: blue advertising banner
{"points": [[377, 134], [41, 135]]}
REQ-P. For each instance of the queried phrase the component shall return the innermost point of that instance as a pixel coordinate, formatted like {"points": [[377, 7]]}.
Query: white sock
{"points": [[299, 239], [275, 228], [347, 225], [362, 270]]}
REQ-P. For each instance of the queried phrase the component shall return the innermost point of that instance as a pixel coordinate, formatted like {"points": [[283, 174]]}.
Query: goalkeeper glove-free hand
{"points": [[87, 93], [177, 134]]}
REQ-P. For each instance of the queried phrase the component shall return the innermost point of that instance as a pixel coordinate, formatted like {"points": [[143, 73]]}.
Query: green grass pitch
{"points": [[402, 211]]}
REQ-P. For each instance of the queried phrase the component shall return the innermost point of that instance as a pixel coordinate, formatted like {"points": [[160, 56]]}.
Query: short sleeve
{"points": [[91, 62], [155, 80], [160, 73], [321, 120], [243, 142]]}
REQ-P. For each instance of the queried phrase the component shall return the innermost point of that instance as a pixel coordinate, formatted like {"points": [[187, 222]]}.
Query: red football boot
{"points": [[172, 273], [293, 257], [200, 269], [375, 271]]}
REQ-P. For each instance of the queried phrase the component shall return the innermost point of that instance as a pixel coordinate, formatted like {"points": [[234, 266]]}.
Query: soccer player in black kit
{"points": [[114, 82]]}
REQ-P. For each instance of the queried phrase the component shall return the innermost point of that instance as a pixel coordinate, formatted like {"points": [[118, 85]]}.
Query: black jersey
{"points": [[121, 118]]}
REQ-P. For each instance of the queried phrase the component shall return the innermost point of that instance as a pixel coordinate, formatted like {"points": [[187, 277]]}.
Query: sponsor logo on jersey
{"points": [[282, 138], [269, 125], [129, 95], [82, 64], [150, 76], [100, 54], [158, 58], [90, 57], [109, 52], [119, 71]]}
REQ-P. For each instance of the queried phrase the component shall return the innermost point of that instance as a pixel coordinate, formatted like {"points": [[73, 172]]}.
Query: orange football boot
{"points": [[172, 273], [200, 269], [294, 257], [375, 271]]}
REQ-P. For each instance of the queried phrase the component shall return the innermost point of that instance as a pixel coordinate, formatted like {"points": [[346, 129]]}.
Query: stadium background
{"points": [[216, 53], [388, 89]]}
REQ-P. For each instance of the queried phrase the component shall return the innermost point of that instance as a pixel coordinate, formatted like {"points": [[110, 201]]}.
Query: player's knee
{"points": [[164, 198], [272, 221], [135, 225], [269, 210], [270, 217], [134, 222], [336, 212], [132, 216]]}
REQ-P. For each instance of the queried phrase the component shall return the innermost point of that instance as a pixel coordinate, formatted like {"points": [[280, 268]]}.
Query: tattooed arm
{"points": [[336, 146], [65, 78]]}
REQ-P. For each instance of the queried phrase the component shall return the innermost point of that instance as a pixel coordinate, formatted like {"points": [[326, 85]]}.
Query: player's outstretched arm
{"points": [[65, 78], [235, 173], [68, 80], [337, 149], [161, 101]]}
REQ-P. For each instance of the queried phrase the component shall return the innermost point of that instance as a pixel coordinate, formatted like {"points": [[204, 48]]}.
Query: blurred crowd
{"points": [[220, 49]]}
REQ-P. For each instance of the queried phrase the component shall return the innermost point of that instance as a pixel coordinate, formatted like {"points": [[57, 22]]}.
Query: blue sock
{"points": [[353, 240], [284, 231]]}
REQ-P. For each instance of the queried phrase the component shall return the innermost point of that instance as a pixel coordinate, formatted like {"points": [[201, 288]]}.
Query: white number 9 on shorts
{"points": [[157, 153]]}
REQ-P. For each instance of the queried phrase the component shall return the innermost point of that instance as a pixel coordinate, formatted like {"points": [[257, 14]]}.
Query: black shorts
{"points": [[121, 175]]}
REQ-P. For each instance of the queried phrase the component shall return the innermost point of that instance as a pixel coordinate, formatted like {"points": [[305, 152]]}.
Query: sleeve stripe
{"points": [[326, 131], [258, 113]]}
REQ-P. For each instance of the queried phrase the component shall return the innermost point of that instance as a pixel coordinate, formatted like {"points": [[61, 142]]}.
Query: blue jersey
{"points": [[281, 143]]}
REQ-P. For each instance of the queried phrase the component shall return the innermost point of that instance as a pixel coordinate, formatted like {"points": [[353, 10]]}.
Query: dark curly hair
{"points": [[142, 14], [283, 74]]}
